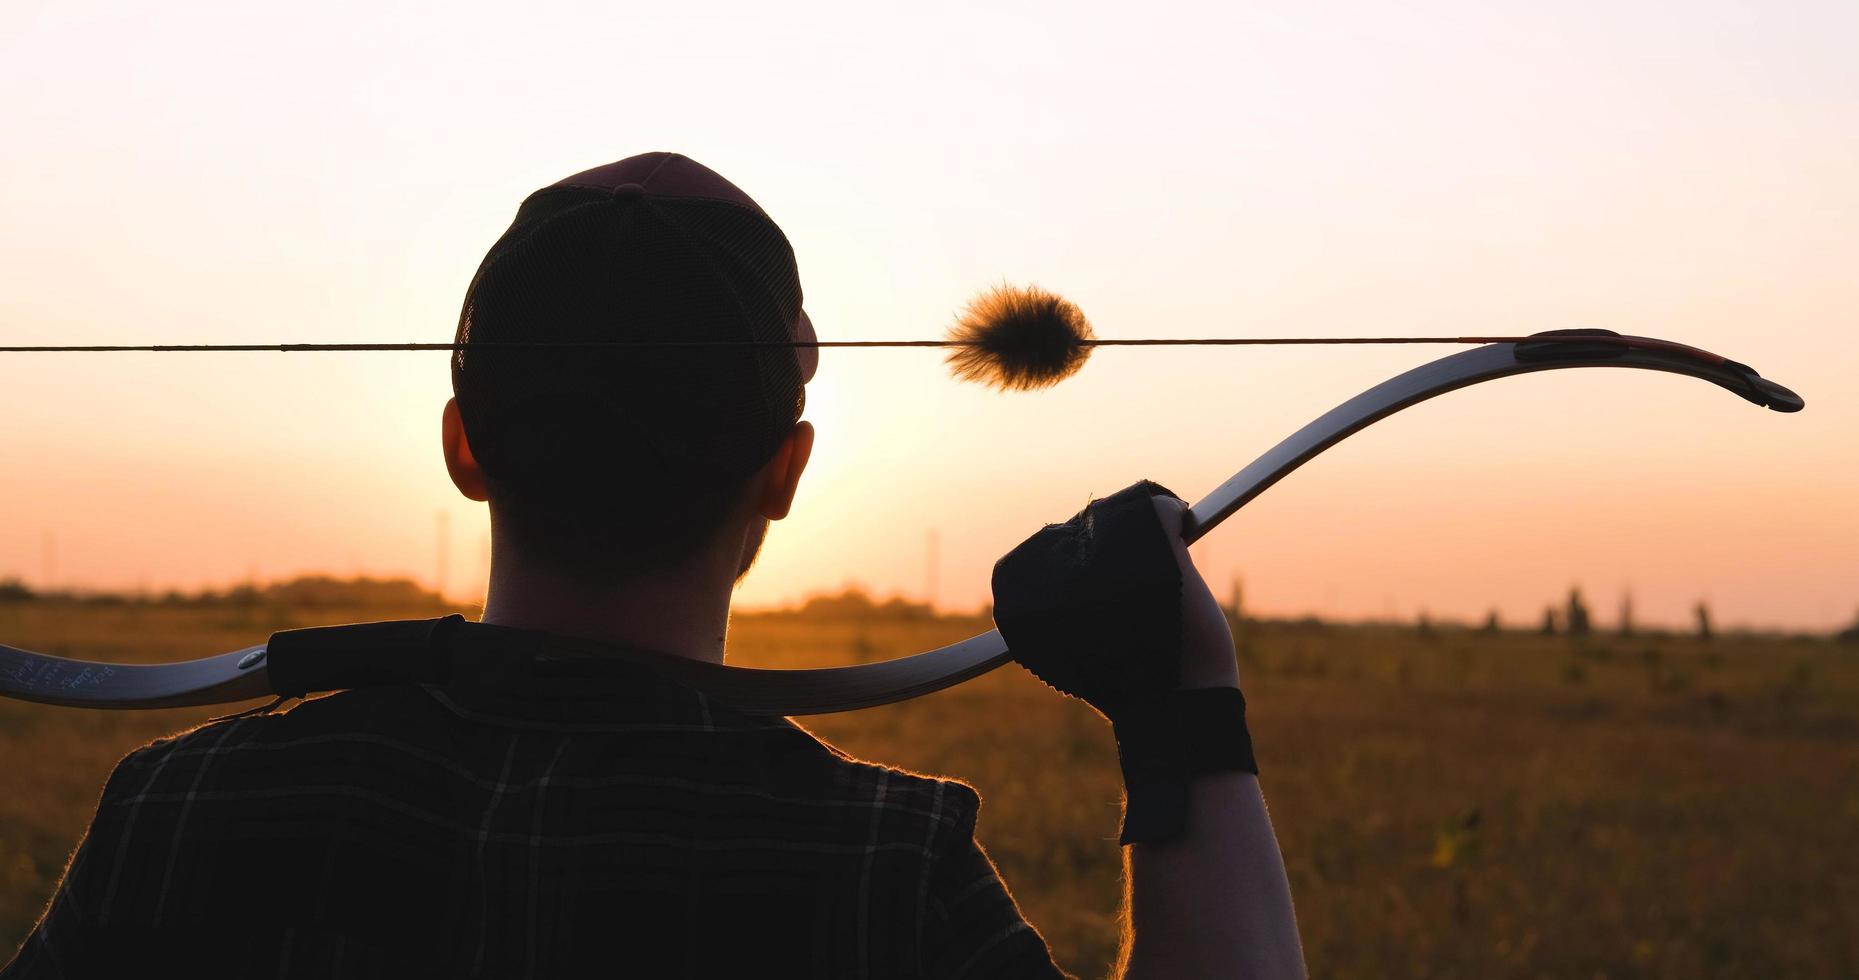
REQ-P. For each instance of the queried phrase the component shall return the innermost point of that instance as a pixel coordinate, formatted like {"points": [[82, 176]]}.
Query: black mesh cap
{"points": [[652, 248]]}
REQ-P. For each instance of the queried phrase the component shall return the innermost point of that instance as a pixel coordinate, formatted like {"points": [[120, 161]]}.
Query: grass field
{"points": [[1450, 803]]}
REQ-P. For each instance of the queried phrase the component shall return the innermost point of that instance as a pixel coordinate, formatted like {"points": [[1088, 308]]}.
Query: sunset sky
{"points": [[238, 172]]}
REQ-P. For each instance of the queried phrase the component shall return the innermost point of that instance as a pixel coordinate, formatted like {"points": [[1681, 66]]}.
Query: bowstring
{"points": [[295, 348]]}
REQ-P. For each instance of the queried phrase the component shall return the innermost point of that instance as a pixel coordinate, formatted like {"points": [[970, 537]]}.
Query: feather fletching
{"points": [[1019, 339]]}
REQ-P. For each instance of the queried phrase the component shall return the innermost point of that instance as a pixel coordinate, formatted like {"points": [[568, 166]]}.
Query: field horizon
{"points": [[321, 590], [1451, 801]]}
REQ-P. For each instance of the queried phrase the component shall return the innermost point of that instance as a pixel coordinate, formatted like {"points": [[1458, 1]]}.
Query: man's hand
{"points": [[1097, 606], [1108, 607], [1206, 639]]}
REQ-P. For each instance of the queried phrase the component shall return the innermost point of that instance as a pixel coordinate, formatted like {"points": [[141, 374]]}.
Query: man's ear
{"points": [[782, 474], [459, 462]]}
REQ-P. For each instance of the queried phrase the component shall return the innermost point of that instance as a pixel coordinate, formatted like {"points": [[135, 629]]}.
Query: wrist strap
{"points": [[1164, 743]]}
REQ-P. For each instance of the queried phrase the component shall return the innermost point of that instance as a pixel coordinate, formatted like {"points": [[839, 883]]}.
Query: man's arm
{"points": [[1214, 902], [1108, 607]]}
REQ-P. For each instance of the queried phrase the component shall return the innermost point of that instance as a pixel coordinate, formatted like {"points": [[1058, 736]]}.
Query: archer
{"points": [[547, 811]]}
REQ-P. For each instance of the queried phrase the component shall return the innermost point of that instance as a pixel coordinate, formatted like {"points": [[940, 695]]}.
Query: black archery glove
{"points": [[1093, 607]]}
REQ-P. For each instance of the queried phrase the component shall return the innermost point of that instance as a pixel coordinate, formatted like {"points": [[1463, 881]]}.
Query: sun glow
{"points": [[209, 173]]}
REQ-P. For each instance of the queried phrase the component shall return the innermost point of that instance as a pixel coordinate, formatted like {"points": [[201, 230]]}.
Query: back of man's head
{"points": [[630, 456]]}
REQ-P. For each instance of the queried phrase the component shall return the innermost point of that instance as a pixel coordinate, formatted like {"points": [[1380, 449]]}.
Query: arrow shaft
{"points": [[1641, 343]]}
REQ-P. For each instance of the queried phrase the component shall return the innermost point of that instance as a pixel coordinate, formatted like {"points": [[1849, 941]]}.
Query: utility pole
{"points": [[932, 558], [444, 539], [48, 560]]}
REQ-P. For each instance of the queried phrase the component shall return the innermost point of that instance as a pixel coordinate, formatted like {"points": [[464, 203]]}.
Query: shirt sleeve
{"points": [[62, 933], [67, 935], [978, 930]]}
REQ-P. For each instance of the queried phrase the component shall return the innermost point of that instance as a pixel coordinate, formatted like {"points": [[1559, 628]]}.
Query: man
{"points": [[550, 811]]}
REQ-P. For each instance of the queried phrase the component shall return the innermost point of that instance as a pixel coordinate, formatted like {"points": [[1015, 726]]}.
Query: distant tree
{"points": [[1704, 621], [901, 608], [13, 590], [1424, 624], [1549, 621], [1236, 614], [855, 605], [1578, 620], [1851, 633], [1492, 623], [329, 592], [1626, 614]]}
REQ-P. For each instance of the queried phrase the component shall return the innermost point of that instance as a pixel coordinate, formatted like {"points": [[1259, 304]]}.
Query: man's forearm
{"points": [[1214, 902]]}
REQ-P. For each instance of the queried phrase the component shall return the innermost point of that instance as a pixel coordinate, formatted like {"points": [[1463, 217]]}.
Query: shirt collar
{"points": [[535, 679]]}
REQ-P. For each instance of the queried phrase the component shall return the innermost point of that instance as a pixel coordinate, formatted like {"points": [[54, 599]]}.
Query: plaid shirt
{"points": [[549, 816]]}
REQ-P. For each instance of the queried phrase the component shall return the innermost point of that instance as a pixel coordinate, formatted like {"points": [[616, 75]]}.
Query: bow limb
{"points": [[243, 674], [1487, 363], [235, 676]]}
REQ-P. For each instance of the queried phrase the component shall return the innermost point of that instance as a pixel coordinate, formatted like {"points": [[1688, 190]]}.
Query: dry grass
{"points": [[1454, 805]]}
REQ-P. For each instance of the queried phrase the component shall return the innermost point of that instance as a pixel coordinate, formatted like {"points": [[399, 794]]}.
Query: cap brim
{"points": [[809, 357]]}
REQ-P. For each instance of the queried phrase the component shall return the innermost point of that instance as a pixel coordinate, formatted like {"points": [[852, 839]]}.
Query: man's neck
{"points": [[681, 611]]}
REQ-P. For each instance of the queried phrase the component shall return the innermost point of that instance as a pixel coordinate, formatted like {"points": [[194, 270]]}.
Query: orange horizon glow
{"points": [[218, 173]]}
